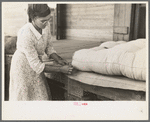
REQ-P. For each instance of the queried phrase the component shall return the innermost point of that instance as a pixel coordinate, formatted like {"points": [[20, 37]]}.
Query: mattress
{"points": [[114, 58]]}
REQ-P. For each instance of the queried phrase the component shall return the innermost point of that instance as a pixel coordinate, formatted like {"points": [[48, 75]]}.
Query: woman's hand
{"points": [[62, 62], [66, 69]]}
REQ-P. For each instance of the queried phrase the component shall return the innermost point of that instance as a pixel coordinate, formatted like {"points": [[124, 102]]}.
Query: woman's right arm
{"points": [[64, 69]]}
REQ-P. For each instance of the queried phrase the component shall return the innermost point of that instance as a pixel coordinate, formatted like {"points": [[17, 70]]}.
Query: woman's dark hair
{"points": [[40, 10]]}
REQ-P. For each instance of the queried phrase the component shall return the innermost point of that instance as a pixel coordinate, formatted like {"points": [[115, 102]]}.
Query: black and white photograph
{"points": [[75, 55]]}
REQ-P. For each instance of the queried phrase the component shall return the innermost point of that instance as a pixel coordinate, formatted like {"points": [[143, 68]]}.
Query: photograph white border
{"points": [[65, 110]]}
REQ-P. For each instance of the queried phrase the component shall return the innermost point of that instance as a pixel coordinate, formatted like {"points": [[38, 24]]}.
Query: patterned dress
{"points": [[27, 80]]}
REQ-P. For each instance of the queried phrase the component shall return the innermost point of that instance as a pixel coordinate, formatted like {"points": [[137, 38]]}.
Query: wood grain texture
{"points": [[128, 15], [88, 39], [116, 14], [136, 22], [121, 29], [122, 15], [115, 37], [85, 10], [116, 20], [122, 19], [66, 48], [88, 21], [128, 21], [75, 90], [74, 5], [112, 93], [126, 37], [88, 27], [90, 33], [120, 37], [104, 14]]}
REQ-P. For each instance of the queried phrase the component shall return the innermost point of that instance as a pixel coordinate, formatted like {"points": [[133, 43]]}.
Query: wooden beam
{"points": [[122, 19], [112, 93], [121, 29], [101, 39], [54, 24], [128, 20], [136, 22], [90, 33], [120, 37], [107, 28]]}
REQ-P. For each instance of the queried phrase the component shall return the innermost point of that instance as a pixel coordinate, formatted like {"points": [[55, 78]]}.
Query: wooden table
{"points": [[76, 90]]}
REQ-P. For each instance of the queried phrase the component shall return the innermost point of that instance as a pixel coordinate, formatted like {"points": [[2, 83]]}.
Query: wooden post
{"points": [[136, 22], [122, 19], [58, 21], [54, 24]]}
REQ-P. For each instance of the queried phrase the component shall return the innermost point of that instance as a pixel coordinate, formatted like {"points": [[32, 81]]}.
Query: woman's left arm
{"points": [[51, 53], [59, 59]]}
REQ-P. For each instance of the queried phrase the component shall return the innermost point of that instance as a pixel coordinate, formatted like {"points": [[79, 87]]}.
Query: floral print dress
{"points": [[27, 79]]}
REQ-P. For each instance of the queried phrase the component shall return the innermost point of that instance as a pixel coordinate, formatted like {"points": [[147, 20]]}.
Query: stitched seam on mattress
{"points": [[133, 67], [109, 63]]}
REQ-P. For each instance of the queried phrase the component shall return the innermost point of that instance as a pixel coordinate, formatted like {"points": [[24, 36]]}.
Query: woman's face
{"points": [[41, 22]]}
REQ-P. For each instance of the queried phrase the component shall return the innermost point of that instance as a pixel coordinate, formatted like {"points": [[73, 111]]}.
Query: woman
{"points": [[27, 80]]}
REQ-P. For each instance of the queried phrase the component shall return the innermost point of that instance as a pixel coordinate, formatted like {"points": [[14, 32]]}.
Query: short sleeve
{"points": [[26, 45], [49, 48]]}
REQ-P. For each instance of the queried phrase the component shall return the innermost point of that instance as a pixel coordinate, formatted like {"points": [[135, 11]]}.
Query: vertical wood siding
{"points": [[122, 21], [14, 17], [88, 21]]}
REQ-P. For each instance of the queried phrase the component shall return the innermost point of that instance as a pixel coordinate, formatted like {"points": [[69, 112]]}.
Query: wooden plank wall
{"points": [[61, 20], [14, 17], [88, 21], [122, 21]]}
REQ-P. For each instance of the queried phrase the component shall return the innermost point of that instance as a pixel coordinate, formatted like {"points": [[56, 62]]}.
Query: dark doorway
{"points": [[138, 22]]}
